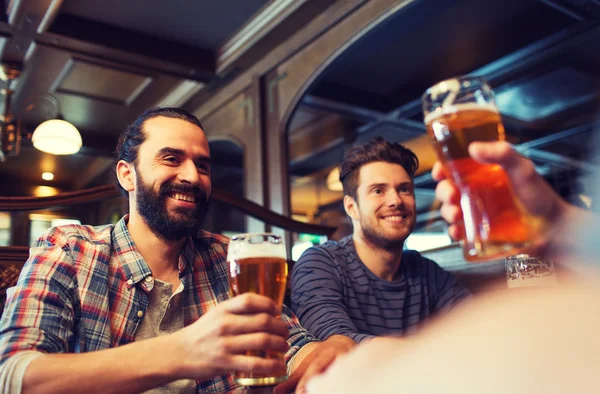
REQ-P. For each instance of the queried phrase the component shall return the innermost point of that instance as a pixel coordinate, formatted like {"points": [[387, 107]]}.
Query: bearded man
{"points": [[366, 285], [145, 305]]}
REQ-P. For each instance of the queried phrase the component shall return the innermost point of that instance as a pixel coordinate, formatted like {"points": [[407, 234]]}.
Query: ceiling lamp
{"points": [[55, 136], [333, 180]]}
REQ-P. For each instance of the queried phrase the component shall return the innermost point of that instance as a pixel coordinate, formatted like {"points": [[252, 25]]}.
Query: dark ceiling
{"points": [[541, 57], [107, 61], [201, 24]]}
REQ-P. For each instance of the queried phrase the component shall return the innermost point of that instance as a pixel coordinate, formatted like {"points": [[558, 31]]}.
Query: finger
{"points": [[437, 172], [289, 385], [258, 365], [446, 192], [455, 232], [262, 322], [318, 366], [451, 213], [240, 344], [251, 303]]}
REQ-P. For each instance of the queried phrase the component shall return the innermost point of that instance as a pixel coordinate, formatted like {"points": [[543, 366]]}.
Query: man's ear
{"points": [[351, 207], [126, 175]]}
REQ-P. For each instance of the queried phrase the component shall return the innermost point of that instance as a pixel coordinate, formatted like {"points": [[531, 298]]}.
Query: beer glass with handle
{"points": [[257, 264], [457, 112]]}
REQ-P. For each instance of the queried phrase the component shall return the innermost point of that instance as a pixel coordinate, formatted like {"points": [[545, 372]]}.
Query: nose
{"points": [[188, 173], [395, 199]]}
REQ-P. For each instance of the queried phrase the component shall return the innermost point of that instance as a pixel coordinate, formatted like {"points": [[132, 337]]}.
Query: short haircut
{"points": [[133, 136], [375, 150]]}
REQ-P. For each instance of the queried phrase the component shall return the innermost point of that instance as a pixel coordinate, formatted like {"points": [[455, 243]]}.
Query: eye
{"points": [[203, 168], [406, 189], [377, 191], [171, 159]]}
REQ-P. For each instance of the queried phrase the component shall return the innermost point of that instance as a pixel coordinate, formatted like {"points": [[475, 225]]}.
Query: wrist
{"points": [[341, 342], [169, 352]]}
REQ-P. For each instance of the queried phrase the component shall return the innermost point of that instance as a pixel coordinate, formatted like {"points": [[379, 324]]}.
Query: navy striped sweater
{"points": [[333, 292]]}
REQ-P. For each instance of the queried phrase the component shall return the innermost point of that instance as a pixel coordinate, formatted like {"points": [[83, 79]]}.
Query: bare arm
{"points": [[128, 369], [214, 345]]}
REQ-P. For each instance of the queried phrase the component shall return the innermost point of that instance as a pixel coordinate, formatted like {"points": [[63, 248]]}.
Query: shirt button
{"points": [[149, 278], [130, 282], [163, 327], [140, 313], [166, 304]]}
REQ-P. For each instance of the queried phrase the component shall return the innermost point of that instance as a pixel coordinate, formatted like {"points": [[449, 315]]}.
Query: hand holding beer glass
{"points": [[457, 112], [257, 264]]}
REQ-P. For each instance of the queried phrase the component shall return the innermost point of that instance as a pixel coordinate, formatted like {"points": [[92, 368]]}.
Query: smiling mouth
{"points": [[183, 197], [395, 218]]}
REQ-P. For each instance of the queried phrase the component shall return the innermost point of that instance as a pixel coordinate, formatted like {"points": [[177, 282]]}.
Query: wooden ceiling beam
{"points": [[26, 19], [100, 40]]}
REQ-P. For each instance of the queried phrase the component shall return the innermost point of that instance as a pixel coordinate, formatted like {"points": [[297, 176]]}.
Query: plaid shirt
{"points": [[83, 289]]}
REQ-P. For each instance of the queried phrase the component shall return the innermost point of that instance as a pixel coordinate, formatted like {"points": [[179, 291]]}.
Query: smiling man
{"points": [[145, 305], [366, 285]]}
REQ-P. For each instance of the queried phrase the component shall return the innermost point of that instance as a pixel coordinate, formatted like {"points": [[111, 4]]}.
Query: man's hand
{"points": [[338, 379], [312, 360], [530, 188], [217, 342]]}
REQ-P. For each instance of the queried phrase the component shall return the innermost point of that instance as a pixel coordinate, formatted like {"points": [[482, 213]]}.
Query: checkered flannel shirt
{"points": [[83, 289]]}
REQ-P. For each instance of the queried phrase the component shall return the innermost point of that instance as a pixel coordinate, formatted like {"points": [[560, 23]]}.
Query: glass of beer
{"points": [[257, 264], [523, 270], [457, 112]]}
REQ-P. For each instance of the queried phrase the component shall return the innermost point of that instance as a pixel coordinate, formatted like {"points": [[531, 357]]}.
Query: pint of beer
{"points": [[458, 112], [257, 264]]}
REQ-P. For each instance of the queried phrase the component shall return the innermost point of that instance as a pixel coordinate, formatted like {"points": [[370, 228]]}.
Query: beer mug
{"points": [[457, 112], [524, 270], [257, 264]]}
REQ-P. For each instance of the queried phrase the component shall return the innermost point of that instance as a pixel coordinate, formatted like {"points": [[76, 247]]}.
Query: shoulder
{"points": [[328, 250], [332, 255], [69, 248], [76, 236]]}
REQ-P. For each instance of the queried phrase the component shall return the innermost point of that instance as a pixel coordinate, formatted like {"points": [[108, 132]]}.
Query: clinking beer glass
{"points": [[257, 264], [457, 112]]}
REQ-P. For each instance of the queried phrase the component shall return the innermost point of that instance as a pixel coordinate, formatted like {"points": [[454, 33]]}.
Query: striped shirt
{"points": [[334, 293], [83, 289]]}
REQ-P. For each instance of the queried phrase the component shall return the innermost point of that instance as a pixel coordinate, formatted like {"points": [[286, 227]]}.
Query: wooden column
{"points": [[239, 121]]}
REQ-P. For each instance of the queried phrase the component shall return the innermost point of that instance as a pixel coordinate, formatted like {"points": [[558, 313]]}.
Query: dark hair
{"points": [[133, 136], [377, 149]]}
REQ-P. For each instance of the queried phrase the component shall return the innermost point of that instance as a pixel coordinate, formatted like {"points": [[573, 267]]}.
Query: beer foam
{"points": [[248, 245], [454, 108]]}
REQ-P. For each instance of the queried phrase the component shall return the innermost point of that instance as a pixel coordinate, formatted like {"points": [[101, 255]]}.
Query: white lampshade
{"points": [[57, 137], [333, 180]]}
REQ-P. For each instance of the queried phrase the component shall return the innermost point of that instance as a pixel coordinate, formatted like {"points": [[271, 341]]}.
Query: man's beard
{"points": [[379, 239], [174, 226]]}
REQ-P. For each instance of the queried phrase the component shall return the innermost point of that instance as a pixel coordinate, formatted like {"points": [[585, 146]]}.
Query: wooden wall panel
{"points": [[239, 120]]}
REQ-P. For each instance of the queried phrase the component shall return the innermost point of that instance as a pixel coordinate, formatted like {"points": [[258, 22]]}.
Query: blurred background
{"points": [[283, 88]]}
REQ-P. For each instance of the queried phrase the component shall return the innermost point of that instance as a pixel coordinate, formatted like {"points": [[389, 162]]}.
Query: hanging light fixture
{"points": [[333, 180], [55, 136]]}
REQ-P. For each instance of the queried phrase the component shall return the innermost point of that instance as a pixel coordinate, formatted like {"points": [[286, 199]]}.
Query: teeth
{"points": [[183, 197], [395, 217]]}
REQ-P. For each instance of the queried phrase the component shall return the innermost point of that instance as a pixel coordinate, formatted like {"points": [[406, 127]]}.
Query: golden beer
{"points": [[262, 275], [494, 223], [258, 268]]}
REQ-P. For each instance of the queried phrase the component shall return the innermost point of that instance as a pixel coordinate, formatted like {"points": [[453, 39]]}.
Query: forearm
{"points": [[131, 368]]}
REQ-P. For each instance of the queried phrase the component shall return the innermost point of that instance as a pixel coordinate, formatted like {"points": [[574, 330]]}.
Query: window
{"points": [[42, 222], [4, 229]]}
